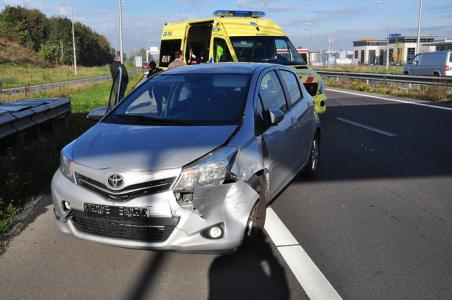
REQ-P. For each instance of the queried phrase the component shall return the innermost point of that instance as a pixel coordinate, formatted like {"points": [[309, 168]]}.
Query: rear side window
{"points": [[167, 49], [272, 93], [293, 88], [450, 57]]}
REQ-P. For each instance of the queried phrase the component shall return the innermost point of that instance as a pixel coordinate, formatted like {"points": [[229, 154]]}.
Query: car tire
{"points": [[406, 73], [312, 167], [254, 231], [436, 74]]}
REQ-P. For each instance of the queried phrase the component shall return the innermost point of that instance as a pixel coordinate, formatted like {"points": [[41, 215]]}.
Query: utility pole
{"points": [[73, 43], [120, 31], [419, 23], [62, 50], [388, 18]]}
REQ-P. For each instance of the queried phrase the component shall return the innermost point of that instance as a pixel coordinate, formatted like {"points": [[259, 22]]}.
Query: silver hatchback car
{"points": [[189, 160]]}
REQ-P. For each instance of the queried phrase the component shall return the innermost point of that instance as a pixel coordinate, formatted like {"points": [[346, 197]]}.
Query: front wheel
{"points": [[312, 166], [254, 231]]}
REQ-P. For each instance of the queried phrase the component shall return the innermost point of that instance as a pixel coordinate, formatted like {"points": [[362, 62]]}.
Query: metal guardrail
{"points": [[408, 79], [16, 117], [34, 88]]}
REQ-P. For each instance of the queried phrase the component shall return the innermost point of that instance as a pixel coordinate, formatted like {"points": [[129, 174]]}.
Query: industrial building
{"points": [[402, 48]]}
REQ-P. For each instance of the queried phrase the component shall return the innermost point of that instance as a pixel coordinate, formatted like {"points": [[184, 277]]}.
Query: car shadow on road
{"points": [[145, 285], [252, 272]]}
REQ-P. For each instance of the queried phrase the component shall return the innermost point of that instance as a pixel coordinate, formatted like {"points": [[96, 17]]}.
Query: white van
{"points": [[430, 64]]}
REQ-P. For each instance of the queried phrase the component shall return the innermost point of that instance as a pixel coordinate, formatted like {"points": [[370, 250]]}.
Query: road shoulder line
{"points": [[306, 272], [391, 99], [387, 133]]}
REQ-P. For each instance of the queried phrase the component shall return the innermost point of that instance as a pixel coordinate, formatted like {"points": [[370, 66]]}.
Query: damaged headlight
{"points": [[66, 167], [212, 169]]}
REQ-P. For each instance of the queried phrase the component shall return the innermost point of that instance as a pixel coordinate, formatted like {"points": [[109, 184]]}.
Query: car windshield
{"points": [[266, 49], [185, 99]]}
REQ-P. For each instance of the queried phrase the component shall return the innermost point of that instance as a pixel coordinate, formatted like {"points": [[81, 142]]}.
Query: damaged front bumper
{"points": [[166, 226]]}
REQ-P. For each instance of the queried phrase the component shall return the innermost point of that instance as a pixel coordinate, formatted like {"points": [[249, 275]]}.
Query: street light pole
{"points": [[388, 17], [73, 43], [120, 31], [419, 22]]}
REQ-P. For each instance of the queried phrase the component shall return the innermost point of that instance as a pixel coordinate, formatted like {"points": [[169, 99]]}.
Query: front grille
{"points": [[146, 229], [311, 88], [128, 192]]}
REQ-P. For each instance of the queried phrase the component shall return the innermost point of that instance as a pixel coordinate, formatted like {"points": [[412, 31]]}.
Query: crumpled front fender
{"points": [[230, 204]]}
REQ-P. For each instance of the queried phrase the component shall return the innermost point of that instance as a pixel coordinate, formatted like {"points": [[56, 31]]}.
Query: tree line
{"points": [[51, 38]]}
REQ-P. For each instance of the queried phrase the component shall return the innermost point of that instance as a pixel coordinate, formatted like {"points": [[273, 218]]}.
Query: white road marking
{"points": [[391, 99], [366, 127], [306, 272]]}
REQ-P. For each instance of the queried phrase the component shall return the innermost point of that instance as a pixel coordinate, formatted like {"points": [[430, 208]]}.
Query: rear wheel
{"points": [[312, 166], [436, 74], [254, 231]]}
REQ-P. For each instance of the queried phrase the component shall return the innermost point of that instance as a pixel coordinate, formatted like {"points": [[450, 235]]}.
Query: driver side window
{"points": [[272, 93], [221, 51]]}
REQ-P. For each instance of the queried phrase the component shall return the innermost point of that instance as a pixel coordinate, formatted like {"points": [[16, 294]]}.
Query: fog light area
{"points": [[215, 232], [66, 205]]}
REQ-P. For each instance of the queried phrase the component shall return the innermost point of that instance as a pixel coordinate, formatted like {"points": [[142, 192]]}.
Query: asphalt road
{"points": [[378, 219], [377, 222]]}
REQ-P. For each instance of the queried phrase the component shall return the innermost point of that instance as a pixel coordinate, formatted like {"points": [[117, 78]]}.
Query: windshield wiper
{"points": [[150, 120], [170, 122]]}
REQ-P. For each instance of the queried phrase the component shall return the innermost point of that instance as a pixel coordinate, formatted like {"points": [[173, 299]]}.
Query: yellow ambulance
{"points": [[239, 36]]}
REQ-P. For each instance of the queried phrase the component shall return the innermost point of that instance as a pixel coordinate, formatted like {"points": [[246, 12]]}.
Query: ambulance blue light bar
{"points": [[239, 13]]}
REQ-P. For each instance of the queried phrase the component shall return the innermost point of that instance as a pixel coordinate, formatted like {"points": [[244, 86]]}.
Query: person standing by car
{"points": [[178, 61], [114, 67], [152, 69]]}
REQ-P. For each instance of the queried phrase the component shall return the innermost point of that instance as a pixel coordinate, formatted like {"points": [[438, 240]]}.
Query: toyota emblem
{"points": [[115, 181]]}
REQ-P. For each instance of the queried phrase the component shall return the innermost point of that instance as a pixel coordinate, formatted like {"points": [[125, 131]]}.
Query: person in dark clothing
{"points": [[114, 67], [153, 69]]}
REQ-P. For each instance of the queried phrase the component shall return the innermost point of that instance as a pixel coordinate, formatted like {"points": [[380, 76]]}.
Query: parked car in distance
{"points": [[430, 64], [188, 160]]}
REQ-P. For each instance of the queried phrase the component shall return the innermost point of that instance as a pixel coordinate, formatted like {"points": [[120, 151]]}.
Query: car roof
{"points": [[233, 68]]}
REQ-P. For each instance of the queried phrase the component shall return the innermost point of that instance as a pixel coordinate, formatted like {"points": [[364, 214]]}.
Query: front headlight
{"points": [[213, 169], [66, 167]]}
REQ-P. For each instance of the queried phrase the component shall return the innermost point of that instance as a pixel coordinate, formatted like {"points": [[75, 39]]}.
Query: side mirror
{"points": [[97, 114], [276, 116]]}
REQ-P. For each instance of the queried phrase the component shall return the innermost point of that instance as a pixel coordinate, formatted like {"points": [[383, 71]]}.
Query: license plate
{"points": [[114, 212]]}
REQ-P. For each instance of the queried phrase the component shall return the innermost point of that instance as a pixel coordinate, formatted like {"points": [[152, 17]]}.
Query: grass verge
{"points": [[362, 69], [422, 92], [26, 169], [13, 75]]}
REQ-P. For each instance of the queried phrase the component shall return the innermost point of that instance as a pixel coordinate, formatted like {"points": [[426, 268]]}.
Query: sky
{"points": [[308, 23]]}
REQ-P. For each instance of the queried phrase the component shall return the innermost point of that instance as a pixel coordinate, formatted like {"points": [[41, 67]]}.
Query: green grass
{"points": [[13, 75], [362, 69], [26, 169], [422, 92]]}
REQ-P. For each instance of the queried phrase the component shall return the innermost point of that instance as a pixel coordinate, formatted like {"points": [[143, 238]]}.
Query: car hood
{"points": [[137, 147]]}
